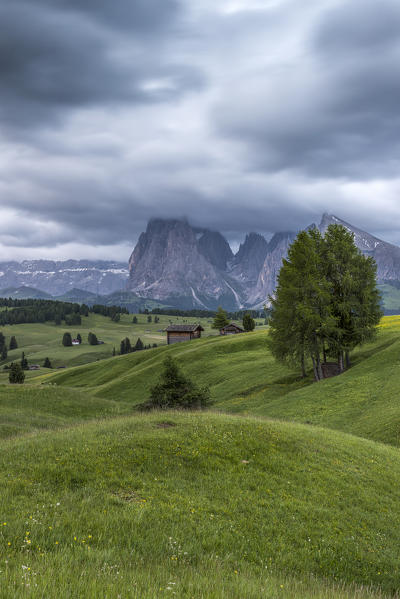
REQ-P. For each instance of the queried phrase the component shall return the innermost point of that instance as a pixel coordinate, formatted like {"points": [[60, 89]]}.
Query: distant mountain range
{"points": [[55, 278], [177, 265], [123, 298]]}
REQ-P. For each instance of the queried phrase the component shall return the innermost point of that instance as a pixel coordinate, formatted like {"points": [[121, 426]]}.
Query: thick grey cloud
{"points": [[55, 56], [240, 115], [333, 110]]}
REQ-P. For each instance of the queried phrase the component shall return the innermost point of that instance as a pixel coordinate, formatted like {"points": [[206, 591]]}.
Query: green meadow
{"points": [[284, 488], [39, 341]]}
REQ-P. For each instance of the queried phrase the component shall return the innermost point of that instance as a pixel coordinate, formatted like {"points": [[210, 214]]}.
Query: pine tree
{"points": [[67, 340], [174, 390], [4, 353], [13, 343], [92, 339], [354, 295], [139, 345], [16, 375], [47, 363], [149, 319], [248, 322], [134, 320], [326, 302], [24, 362], [125, 346], [2, 341], [300, 311], [113, 351], [220, 319]]}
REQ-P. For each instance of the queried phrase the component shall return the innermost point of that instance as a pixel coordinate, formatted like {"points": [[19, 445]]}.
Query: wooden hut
{"points": [[231, 329], [176, 333]]}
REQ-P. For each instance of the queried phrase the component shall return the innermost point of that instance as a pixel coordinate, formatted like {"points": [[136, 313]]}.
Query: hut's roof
{"points": [[184, 328], [232, 325]]}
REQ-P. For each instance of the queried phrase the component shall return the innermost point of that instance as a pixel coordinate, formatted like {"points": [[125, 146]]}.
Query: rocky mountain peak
{"points": [[174, 260], [181, 265], [215, 248], [364, 241], [248, 261]]}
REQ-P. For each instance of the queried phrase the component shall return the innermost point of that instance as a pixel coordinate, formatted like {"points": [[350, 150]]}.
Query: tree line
{"points": [[326, 302], [221, 320], [195, 313], [22, 311], [126, 346]]}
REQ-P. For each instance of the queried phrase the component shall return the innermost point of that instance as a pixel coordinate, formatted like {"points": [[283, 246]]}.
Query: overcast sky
{"points": [[243, 115]]}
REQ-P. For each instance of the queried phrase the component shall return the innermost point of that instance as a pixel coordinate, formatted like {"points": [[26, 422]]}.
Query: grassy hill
{"points": [[244, 378], [275, 500], [39, 341], [205, 504], [31, 409]]}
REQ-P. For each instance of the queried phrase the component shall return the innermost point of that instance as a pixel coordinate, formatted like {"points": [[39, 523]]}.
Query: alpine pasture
{"points": [[285, 488]]}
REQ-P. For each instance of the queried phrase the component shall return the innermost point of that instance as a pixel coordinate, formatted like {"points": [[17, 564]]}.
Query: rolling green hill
{"points": [[99, 500], [39, 341], [244, 378], [31, 409], [207, 505]]}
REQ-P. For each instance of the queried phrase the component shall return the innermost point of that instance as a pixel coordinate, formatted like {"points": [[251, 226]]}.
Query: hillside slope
{"points": [[362, 401], [206, 504], [243, 377], [228, 365]]}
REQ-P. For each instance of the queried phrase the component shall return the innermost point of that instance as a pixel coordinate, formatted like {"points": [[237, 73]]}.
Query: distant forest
{"points": [[208, 313], [20, 311]]}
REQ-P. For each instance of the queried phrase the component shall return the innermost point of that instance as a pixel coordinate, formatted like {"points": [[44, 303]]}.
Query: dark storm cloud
{"points": [[138, 16], [240, 115], [53, 59], [333, 112]]}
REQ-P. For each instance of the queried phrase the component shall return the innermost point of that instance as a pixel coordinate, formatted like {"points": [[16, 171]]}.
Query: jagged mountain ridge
{"points": [[58, 277], [182, 266], [188, 267], [386, 255], [170, 263]]}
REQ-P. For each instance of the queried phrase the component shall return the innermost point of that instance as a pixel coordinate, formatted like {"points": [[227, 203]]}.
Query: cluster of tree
{"points": [[16, 375], [221, 320], [110, 311], [126, 347], [149, 319], [67, 339], [184, 313], [176, 391], [20, 311], [74, 318], [210, 313], [240, 314], [3, 346], [326, 301]]}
